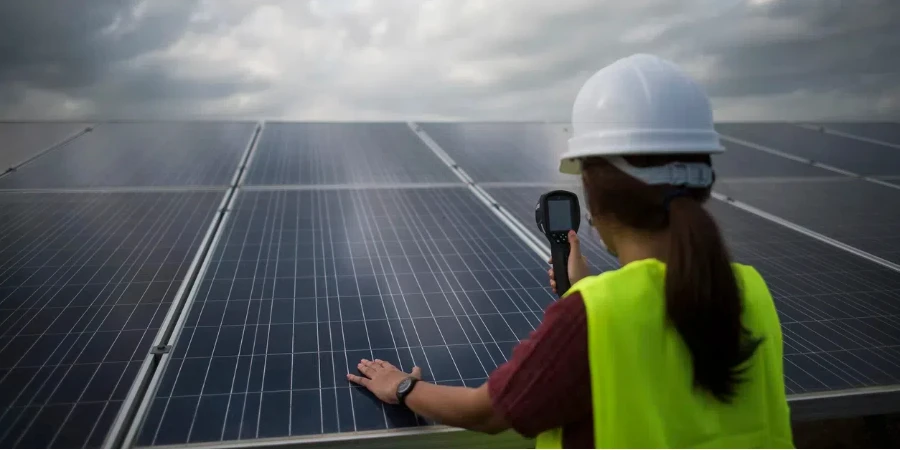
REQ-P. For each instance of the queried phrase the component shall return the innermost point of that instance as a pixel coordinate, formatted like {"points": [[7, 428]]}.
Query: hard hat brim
{"points": [[637, 142]]}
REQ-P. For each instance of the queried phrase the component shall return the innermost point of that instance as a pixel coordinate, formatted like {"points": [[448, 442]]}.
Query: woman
{"points": [[677, 348]]}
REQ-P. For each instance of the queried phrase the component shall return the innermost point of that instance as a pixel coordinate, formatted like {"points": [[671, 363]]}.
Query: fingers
{"points": [[362, 381], [384, 364], [366, 368], [552, 279], [417, 372], [574, 244]]}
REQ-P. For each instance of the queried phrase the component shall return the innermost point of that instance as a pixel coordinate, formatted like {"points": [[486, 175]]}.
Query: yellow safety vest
{"points": [[641, 374]]}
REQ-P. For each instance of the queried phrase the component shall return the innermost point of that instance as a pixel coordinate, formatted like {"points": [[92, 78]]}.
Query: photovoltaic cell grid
{"points": [[521, 202], [862, 214], [85, 281], [844, 153], [20, 141], [840, 314], [885, 131], [306, 283], [341, 153], [504, 151], [140, 154]]}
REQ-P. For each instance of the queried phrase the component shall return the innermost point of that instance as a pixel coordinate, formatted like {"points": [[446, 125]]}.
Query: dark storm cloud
{"points": [[61, 45]]}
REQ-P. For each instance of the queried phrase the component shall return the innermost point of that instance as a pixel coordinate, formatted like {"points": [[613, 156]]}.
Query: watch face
{"points": [[404, 385]]}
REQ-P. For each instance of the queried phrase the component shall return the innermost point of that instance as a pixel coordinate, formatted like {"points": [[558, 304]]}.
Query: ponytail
{"points": [[703, 299]]}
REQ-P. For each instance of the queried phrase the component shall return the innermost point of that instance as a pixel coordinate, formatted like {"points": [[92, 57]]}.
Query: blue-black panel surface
{"points": [[862, 214], [740, 161], [838, 312], [342, 153], [883, 131], [140, 154], [504, 151], [844, 153], [85, 281], [306, 283], [20, 141]]}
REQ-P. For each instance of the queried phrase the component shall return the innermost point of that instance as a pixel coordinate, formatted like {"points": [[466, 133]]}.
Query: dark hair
{"points": [[703, 299]]}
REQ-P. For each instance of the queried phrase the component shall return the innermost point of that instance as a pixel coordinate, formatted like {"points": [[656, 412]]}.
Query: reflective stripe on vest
{"points": [[641, 375]]}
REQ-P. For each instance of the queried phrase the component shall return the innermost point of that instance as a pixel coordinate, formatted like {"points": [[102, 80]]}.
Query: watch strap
{"points": [[401, 394]]}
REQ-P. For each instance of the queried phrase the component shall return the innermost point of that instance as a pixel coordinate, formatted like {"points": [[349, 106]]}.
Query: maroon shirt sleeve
{"points": [[546, 382]]}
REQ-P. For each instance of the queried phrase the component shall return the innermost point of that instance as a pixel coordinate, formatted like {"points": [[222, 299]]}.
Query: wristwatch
{"points": [[404, 388]]}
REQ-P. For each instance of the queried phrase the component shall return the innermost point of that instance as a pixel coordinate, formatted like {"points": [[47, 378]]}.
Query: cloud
{"points": [[436, 59]]}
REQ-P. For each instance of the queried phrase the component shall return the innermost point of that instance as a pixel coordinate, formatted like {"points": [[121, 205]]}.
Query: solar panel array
{"points": [[352, 241], [307, 283]]}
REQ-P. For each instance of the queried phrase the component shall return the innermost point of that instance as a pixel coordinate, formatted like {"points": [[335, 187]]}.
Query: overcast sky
{"points": [[436, 59]]}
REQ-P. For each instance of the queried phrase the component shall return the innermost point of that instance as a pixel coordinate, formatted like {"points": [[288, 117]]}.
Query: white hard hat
{"points": [[638, 105]]}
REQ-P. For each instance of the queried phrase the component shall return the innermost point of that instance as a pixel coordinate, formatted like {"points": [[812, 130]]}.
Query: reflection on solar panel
{"points": [[85, 280], [504, 151], [20, 141], [140, 154], [864, 215], [844, 153], [888, 132], [839, 312], [306, 283], [321, 153]]}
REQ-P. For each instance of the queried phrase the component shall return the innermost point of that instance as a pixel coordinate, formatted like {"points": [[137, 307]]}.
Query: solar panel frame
{"points": [[740, 161], [22, 141], [862, 214], [865, 158], [883, 131], [503, 152], [538, 288], [61, 414]]}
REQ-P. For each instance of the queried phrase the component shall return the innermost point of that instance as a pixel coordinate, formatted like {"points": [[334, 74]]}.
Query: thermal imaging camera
{"points": [[556, 213]]}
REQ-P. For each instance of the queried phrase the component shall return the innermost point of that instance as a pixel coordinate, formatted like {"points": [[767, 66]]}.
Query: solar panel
{"points": [[341, 153], [140, 154], [862, 214], [504, 151], [884, 131], [85, 280], [306, 282], [741, 161], [839, 312], [20, 141], [844, 153]]}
